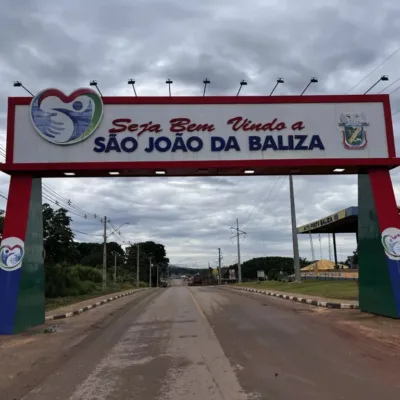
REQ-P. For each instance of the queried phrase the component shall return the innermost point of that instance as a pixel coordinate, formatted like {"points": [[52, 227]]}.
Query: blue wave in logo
{"points": [[47, 123], [11, 257]]}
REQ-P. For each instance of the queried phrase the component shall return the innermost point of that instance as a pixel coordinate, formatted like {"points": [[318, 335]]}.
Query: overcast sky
{"points": [[66, 44]]}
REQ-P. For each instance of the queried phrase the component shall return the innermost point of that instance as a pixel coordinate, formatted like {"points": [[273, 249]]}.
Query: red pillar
{"points": [[21, 258]]}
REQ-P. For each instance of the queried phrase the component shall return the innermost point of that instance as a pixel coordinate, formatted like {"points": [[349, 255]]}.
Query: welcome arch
{"points": [[85, 135]]}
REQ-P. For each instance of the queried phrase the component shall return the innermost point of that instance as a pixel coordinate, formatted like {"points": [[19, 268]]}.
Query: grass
{"points": [[344, 290], [58, 302]]}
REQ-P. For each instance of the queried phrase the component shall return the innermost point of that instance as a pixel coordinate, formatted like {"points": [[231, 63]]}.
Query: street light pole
{"points": [[278, 81], [94, 83], [169, 82], [105, 254], [238, 233], [296, 256], [312, 80], [382, 78], [137, 265], [115, 268], [19, 84], [242, 83], [132, 82], [206, 82], [219, 266], [150, 272], [238, 250]]}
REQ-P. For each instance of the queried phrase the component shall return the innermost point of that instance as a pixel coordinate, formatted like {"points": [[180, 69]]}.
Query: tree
{"points": [[355, 257], [91, 254], [58, 238], [147, 249], [304, 262], [271, 265]]}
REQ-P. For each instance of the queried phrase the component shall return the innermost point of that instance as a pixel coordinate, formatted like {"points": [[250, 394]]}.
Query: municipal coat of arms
{"points": [[353, 130]]}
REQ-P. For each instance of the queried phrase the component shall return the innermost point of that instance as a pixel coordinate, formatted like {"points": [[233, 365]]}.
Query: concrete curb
{"points": [[300, 299], [90, 307]]}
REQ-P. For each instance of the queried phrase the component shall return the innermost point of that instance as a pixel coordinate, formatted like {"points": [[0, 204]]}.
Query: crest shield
{"points": [[353, 130]]}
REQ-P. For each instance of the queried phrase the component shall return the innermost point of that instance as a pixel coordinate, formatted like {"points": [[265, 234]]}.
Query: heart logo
{"points": [[391, 243], [11, 253], [64, 120]]}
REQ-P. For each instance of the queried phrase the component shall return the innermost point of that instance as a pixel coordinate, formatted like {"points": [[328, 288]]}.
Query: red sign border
{"points": [[390, 162]]}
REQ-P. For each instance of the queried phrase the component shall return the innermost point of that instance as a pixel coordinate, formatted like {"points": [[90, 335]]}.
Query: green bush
{"points": [[70, 280], [82, 287], [88, 273]]}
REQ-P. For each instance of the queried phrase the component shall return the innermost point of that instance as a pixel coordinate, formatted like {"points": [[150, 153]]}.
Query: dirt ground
{"points": [[29, 357], [382, 329]]}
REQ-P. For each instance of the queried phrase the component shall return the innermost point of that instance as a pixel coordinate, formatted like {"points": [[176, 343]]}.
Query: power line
{"points": [[116, 232], [67, 203], [61, 200], [73, 230], [259, 201], [53, 192], [266, 197], [116, 238], [395, 90], [52, 196], [85, 233], [58, 204], [43, 195], [70, 211], [366, 76], [396, 112]]}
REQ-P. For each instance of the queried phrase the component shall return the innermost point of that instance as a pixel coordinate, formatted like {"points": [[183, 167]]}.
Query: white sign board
{"points": [[260, 274], [79, 128]]}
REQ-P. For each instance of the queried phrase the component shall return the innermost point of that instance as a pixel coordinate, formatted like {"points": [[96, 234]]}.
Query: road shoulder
{"points": [[86, 305], [301, 298], [280, 347], [381, 330], [29, 357]]}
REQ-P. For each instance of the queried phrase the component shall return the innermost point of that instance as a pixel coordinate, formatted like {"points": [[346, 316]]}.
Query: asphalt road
{"points": [[212, 344]]}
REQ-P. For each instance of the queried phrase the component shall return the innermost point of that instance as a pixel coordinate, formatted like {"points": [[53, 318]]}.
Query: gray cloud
{"points": [[66, 45]]}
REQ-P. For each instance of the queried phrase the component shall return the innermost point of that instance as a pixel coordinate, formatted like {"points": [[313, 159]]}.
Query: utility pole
{"points": [[157, 275], [238, 233], [137, 265], [115, 267], [312, 247], [238, 249], [320, 247], [329, 247], [105, 254], [219, 266], [150, 271], [294, 232], [296, 257]]}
